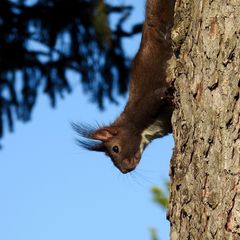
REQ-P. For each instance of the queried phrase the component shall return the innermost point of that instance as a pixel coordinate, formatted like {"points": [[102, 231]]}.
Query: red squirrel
{"points": [[147, 114]]}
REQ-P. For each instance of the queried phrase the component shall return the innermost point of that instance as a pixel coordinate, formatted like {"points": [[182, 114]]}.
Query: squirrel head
{"points": [[118, 143]]}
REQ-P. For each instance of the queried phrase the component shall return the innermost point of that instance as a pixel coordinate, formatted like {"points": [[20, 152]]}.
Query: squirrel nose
{"points": [[128, 165], [124, 170]]}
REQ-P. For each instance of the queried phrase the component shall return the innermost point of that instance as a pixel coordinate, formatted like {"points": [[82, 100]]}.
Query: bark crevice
{"points": [[205, 167]]}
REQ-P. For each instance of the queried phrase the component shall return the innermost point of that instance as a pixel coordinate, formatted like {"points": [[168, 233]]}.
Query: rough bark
{"points": [[205, 168]]}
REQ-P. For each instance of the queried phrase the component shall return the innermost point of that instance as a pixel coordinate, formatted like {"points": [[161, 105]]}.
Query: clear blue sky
{"points": [[52, 190]]}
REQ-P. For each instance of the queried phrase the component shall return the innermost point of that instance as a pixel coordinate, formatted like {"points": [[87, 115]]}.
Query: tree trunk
{"points": [[205, 168]]}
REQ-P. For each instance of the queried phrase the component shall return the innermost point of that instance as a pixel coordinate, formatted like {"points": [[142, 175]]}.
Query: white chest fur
{"points": [[155, 130]]}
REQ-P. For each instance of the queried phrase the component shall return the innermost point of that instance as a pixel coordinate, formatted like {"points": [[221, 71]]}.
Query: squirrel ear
{"points": [[104, 134]]}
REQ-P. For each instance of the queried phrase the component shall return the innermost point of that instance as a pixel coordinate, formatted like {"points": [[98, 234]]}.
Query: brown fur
{"points": [[148, 98]]}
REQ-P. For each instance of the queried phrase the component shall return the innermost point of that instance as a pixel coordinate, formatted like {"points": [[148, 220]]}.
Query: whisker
{"points": [[144, 177], [134, 177]]}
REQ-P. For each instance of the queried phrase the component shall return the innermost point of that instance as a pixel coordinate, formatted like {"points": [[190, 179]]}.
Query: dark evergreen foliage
{"points": [[41, 41]]}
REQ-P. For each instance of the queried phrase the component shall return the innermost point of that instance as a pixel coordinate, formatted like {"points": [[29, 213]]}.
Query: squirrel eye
{"points": [[115, 149]]}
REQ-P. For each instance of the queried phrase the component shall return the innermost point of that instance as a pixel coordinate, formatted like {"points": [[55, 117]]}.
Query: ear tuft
{"points": [[83, 130], [90, 145], [91, 134], [86, 131], [104, 134]]}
